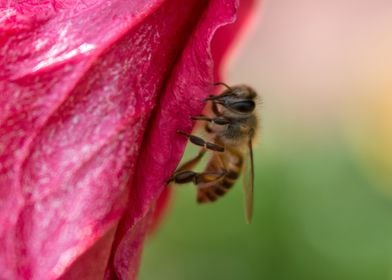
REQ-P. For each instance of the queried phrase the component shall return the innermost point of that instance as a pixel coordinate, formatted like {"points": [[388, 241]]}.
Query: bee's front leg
{"points": [[216, 120]]}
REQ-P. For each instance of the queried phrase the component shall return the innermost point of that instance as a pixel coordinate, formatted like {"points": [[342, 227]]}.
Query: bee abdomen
{"points": [[210, 194]]}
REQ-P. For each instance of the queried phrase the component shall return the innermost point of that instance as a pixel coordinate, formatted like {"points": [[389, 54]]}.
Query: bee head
{"points": [[238, 99]]}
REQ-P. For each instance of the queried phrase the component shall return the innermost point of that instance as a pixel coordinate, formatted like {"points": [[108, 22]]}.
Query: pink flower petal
{"points": [[92, 96]]}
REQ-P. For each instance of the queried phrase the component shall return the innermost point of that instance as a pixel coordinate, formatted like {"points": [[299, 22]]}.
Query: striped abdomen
{"points": [[229, 162]]}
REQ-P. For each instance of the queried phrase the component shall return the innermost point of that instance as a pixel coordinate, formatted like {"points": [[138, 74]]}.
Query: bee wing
{"points": [[248, 180]]}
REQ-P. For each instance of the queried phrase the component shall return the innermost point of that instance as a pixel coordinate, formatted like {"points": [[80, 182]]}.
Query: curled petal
{"points": [[92, 94]]}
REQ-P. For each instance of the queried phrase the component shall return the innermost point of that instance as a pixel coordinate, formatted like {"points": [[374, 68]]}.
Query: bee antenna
{"points": [[222, 84]]}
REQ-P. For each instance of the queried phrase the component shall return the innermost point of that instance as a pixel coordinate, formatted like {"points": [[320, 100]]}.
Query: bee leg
{"points": [[222, 84], [187, 176], [207, 179], [191, 163], [216, 120], [213, 97], [215, 109], [200, 142]]}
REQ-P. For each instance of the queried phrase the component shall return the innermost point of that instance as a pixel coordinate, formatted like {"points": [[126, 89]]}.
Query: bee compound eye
{"points": [[243, 106]]}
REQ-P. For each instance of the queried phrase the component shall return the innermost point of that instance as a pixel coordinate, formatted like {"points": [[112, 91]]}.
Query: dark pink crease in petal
{"points": [[92, 95], [190, 82]]}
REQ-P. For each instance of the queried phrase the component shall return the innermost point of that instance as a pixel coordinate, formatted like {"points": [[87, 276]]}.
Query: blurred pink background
{"points": [[324, 69]]}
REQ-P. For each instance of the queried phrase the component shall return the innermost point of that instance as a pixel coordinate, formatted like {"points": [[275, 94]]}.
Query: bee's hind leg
{"points": [[200, 142], [192, 162], [184, 174], [189, 164], [187, 176]]}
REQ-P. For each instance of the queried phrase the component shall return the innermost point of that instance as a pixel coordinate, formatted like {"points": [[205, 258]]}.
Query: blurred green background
{"points": [[323, 166]]}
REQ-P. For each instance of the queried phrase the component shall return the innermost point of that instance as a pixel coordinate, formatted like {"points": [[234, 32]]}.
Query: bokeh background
{"points": [[323, 198]]}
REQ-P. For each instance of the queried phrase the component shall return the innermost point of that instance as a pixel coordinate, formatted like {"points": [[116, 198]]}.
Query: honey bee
{"points": [[231, 130]]}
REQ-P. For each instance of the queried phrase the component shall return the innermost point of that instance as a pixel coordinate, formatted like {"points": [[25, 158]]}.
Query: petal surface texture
{"points": [[92, 93]]}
